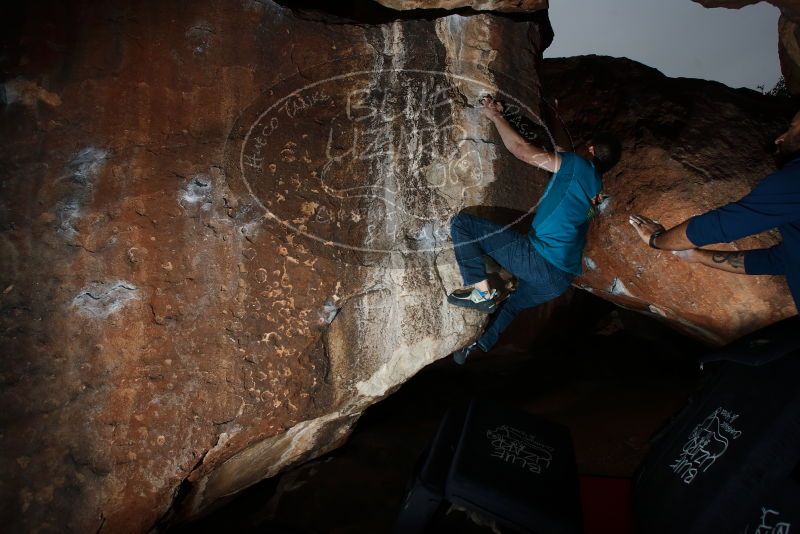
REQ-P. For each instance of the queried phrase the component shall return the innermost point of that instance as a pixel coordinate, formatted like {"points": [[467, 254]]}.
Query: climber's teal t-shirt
{"points": [[558, 230]]}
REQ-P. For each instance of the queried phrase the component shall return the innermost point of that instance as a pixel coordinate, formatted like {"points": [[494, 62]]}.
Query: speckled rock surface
{"points": [[223, 234], [688, 146]]}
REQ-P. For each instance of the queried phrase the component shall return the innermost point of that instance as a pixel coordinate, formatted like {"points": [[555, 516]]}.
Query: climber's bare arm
{"points": [[514, 142]]}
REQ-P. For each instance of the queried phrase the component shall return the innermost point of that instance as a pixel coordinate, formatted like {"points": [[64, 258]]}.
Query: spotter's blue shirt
{"points": [[558, 230], [774, 203]]}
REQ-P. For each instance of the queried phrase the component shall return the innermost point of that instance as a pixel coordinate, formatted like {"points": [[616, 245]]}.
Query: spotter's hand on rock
{"points": [[645, 227]]}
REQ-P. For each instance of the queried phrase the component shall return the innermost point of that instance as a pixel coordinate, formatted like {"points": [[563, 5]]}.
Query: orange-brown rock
{"points": [[688, 146], [509, 6], [223, 231]]}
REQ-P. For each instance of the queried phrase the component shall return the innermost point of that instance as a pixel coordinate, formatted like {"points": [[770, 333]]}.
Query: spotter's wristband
{"points": [[653, 237]]}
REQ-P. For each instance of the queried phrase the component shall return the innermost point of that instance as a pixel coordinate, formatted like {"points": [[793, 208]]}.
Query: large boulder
{"points": [[688, 146], [223, 235], [508, 6], [789, 51]]}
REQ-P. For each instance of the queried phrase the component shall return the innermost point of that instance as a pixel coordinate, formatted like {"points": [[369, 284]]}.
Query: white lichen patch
{"points": [[197, 191], [87, 163], [80, 173], [67, 214], [618, 288], [99, 300], [26, 93]]}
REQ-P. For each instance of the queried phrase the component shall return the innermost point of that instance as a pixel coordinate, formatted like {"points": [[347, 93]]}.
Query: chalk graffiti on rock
{"points": [[405, 149], [384, 157]]}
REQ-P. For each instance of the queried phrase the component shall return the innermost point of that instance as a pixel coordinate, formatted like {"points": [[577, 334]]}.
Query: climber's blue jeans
{"points": [[537, 279]]}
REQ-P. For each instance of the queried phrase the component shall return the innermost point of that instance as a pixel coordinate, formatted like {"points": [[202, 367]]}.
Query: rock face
{"points": [[688, 146], [788, 35], [509, 6], [223, 235], [789, 51]]}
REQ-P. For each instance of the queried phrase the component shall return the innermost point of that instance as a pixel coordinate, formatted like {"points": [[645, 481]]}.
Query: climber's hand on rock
{"points": [[645, 227], [691, 255], [490, 107]]}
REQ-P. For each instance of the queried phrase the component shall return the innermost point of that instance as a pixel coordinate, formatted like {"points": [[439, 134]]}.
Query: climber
{"points": [[546, 259], [773, 203]]}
